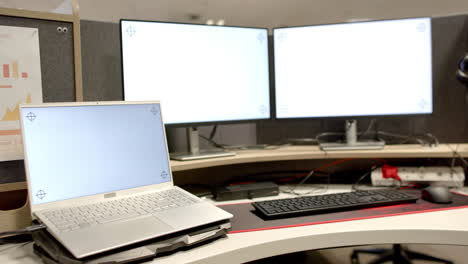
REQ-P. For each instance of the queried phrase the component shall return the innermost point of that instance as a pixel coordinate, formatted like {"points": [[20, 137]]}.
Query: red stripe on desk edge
{"points": [[348, 219], [459, 193]]}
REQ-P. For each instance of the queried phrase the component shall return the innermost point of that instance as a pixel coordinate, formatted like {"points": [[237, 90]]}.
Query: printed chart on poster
{"points": [[20, 82]]}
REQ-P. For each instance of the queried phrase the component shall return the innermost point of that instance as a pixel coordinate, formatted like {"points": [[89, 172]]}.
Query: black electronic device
{"points": [[246, 191], [437, 194], [331, 202]]}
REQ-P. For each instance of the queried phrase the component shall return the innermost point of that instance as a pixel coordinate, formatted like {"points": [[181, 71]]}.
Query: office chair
{"points": [[397, 255]]}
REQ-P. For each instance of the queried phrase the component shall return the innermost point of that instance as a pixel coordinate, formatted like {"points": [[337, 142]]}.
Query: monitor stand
{"points": [[351, 140], [194, 149]]}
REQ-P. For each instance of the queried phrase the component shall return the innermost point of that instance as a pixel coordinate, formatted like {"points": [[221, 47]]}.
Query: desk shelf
{"points": [[313, 152]]}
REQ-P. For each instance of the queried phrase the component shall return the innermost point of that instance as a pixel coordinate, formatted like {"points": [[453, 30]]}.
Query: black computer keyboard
{"points": [[331, 202]]}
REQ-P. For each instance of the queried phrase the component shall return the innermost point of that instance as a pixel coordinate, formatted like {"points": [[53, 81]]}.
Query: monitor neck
{"points": [[193, 140]]}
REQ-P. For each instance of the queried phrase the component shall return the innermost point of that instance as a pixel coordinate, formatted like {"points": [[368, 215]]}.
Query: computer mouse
{"points": [[437, 194]]}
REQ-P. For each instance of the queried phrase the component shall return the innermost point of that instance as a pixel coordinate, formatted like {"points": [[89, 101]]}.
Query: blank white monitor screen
{"points": [[75, 151], [200, 73], [354, 69]]}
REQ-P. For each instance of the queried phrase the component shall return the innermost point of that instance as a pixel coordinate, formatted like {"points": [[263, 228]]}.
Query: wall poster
{"points": [[20, 83]]}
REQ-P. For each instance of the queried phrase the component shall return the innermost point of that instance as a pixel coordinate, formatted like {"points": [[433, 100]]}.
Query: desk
{"points": [[443, 227]]}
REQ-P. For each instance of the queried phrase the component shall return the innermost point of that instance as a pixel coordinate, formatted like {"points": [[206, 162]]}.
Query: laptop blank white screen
{"points": [[75, 151]]}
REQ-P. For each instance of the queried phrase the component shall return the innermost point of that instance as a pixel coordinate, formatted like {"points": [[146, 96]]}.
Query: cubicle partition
{"points": [[60, 79], [57, 72]]}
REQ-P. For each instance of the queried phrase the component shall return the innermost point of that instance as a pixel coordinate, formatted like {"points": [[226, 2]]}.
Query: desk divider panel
{"points": [[57, 73], [57, 59], [58, 85]]}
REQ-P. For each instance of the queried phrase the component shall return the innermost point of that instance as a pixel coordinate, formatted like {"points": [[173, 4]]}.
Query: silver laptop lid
{"points": [[82, 149]]}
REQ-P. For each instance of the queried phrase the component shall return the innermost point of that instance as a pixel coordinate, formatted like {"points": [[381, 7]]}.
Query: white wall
{"points": [[261, 13], [54, 6], [266, 13]]}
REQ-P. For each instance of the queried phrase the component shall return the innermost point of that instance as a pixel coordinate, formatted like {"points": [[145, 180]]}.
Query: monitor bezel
{"points": [[211, 122], [348, 117]]}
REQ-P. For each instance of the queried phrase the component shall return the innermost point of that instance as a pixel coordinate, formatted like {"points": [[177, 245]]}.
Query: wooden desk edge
{"points": [[406, 229], [313, 152]]}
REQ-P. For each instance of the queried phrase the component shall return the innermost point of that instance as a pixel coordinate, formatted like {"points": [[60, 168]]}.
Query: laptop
{"points": [[99, 176]]}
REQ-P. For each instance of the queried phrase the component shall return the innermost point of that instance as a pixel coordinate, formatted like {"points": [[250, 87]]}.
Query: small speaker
{"points": [[462, 71]]}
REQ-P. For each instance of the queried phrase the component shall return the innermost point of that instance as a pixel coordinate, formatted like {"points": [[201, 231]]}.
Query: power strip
{"points": [[445, 176]]}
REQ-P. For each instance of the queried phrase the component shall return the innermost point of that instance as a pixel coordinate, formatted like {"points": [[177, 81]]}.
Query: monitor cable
{"points": [[405, 139], [211, 140]]}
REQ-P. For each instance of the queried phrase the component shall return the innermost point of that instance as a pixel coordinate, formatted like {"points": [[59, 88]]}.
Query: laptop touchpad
{"points": [[193, 215], [150, 225]]}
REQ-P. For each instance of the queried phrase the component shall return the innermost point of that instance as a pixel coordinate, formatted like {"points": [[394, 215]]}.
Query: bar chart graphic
{"points": [[11, 71], [20, 82]]}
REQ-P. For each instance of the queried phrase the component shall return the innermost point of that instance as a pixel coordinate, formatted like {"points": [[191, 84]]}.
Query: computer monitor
{"points": [[201, 74], [348, 70]]}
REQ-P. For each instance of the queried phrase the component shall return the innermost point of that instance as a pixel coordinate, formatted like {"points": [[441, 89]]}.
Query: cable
{"points": [[327, 134], [20, 235], [405, 138], [354, 187], [210, 138], [371, 124], [434, 138], [301, 141], [212, 142], [320, 169], [213, 132], [456, 154], [316, 190], [26, 230], [15, 246]]}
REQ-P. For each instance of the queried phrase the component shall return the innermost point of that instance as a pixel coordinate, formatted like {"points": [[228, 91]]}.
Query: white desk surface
{"points": [[442, 227]]}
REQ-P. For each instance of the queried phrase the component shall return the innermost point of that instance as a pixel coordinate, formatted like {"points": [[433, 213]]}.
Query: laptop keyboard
{"points": [[74, 218]]}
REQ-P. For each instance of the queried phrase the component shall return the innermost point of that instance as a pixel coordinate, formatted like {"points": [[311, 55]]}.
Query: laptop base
{"points": [[51, 251]]}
